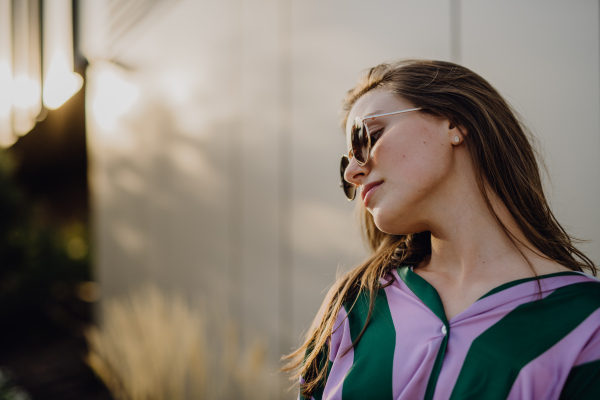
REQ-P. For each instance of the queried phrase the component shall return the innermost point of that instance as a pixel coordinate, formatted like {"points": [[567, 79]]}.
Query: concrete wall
{"points": [[220, 177]]}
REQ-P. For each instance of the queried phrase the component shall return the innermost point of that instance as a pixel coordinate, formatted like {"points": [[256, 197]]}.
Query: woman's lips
{"points": [[368, 190]]}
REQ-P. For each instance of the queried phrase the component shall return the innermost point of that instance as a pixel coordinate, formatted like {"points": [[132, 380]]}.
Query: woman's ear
{"points": [[456, 133]]}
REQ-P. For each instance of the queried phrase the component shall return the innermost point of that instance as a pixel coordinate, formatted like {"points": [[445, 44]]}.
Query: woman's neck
{"points": [[471, 247]]}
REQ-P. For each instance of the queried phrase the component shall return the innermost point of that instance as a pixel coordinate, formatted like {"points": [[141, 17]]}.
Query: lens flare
{"points": [[113, 98], [6, 90], [7, 137], [61, 83]]}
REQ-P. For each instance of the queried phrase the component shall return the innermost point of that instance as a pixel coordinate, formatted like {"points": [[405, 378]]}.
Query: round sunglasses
{"points": [[360, 143]]}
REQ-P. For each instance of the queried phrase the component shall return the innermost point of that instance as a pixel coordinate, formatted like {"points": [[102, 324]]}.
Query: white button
{"points": [[444, 330]]}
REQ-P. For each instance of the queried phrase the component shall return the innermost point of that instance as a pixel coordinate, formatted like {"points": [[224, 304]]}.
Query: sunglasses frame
{"points": [[360, 125], [344, 184]]}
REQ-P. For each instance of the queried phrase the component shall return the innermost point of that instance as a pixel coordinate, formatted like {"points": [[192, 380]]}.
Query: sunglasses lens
{"points": [[349, 189], [359, 140]]}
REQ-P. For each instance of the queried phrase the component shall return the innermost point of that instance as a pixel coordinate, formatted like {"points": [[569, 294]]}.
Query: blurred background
{"points": [[170, 215]]}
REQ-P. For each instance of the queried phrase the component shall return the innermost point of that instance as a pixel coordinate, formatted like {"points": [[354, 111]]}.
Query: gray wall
{"points": [[221, 179]]}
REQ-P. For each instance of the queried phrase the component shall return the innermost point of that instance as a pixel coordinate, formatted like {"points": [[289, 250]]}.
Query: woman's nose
{"points": [[355, 173]]}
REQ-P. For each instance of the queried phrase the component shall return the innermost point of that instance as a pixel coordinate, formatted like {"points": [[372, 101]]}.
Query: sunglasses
{"points": [[360, 151]]}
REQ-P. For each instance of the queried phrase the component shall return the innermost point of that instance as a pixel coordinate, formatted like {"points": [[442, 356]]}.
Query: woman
{"points": [[473, 289]]}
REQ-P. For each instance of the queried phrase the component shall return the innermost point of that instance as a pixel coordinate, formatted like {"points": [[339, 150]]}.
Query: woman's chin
{"points": [[384, 224], [391, 226]]}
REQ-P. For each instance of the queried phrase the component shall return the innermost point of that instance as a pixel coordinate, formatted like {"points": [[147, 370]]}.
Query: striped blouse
{"points": [[509, 344]]}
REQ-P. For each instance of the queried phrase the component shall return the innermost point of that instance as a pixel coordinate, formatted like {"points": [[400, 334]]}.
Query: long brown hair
{"points": [[504, 163]]}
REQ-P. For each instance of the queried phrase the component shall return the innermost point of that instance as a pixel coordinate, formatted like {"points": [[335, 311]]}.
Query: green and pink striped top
{"points": [[510, 344]]}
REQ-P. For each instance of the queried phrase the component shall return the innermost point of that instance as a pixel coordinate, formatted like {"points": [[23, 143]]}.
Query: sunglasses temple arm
{"points": [[390, 113]]}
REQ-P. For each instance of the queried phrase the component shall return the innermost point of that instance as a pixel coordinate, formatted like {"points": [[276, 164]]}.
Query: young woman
{"points": [[473, 289]]}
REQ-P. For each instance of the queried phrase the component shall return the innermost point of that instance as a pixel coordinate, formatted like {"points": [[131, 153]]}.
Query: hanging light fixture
{"points": [[21, 92], [25, 91], [7, 138], [60, 82], [35, 59]]}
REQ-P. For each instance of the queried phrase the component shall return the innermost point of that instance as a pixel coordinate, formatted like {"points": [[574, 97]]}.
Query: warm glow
{"points": [[23, 89], [6, 89], [7, 137], [61, 83], [114, 96], [35, 61], [178, 85], [26, 92]]}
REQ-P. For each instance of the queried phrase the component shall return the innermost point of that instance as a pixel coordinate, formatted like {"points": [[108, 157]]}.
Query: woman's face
{"points": [[412, 164]]}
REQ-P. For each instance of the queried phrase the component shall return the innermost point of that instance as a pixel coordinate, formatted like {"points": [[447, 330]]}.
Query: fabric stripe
{"points": [[591, 351], [418, 339], [424, 291], [520, 281], [437, 367], [583, 382], [318, 394], [338, 366], [371, 374], [496, 357], [341, 342], [545, 377], [431, 298]]}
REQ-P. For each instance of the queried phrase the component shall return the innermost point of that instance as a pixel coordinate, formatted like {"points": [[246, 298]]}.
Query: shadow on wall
{"points": [[159, 191]]}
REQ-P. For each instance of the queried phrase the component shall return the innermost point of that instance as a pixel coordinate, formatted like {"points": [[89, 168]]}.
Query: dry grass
{"points": [[154, 347]]}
